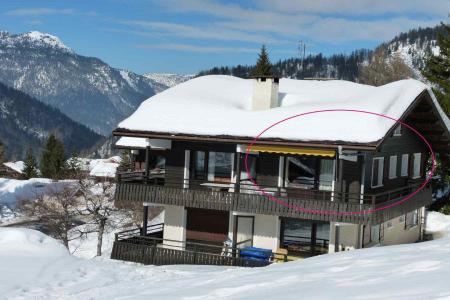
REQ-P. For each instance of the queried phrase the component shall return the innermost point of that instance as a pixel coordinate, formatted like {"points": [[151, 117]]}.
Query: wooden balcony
{"points": [[337, 207], [152, 249]]}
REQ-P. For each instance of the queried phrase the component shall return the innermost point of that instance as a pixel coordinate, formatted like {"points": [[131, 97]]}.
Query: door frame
{"points": [[235, 227]]}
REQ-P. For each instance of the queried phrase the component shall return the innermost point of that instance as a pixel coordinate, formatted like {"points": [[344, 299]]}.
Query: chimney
{"points": [[265, 92]]}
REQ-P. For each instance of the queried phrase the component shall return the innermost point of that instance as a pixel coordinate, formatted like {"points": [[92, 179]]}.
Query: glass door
{"points": [[244, 231]]}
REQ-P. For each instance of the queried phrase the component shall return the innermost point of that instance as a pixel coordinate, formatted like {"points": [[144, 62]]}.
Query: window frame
{"points": [[393, 159], [417, 158], [415, 219], [405, 165], [398, 131], [380, 167]]}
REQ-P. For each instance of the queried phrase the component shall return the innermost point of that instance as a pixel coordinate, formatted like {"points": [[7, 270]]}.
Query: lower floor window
{"points": [[411, 219]]}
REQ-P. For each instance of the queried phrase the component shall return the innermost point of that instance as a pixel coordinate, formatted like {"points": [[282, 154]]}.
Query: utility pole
{"points": [[302, 52]]}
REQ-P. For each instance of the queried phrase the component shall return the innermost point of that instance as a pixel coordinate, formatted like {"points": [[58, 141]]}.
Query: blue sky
{"points": [[191, 35]]}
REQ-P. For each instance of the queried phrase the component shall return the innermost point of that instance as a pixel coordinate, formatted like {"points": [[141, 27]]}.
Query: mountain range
{"points": [[84, 88], [25, 123]]}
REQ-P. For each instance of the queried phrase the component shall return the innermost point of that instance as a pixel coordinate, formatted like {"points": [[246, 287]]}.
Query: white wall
{"points": [[398, 234], [349, 236], [174, 225], [266, 230]]}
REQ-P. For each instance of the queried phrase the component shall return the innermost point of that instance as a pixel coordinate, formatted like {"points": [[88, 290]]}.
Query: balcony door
{"points": [[243, 231]]}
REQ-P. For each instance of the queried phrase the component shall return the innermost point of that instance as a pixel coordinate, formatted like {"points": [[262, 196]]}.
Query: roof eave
{"points": [[243, 140]]}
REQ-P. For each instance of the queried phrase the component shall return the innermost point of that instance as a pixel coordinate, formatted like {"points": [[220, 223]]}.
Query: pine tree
{"points": [[53, 158], [30, 166], [263, 66], [437, 69], [125, 161]]}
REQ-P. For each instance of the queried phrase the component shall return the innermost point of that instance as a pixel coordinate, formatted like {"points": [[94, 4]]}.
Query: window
{"points": [[411, 219], [393, 167], [405, 161], [211, 166], [417, 160], [310, 172], [219, 166], [301, 171], [398, 130], [377, 171], [389, 225], [251, 163], [199, 165]]}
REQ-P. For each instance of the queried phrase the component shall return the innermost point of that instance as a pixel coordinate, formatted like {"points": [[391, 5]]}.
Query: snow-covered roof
{"points": [[17, 166], [104, 167], [132, 142], [217, 105], [141, 143]]}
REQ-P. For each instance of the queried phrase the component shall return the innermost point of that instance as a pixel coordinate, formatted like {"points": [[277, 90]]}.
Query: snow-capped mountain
{"points": [[164, 81], [84, 88], [414, 47]]}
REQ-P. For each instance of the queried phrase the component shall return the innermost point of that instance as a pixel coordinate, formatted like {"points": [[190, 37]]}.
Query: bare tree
{"points": [[56, 210], [98, 210], [382, 70]]}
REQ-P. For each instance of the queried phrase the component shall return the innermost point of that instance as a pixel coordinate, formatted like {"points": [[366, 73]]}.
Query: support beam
{"points": [[144, 220], [237, 185], [336, 237], [147, 163]]}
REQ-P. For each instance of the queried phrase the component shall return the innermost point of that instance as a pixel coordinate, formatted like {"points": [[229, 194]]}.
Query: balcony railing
{"points": [[150, 249], [314, 204]]}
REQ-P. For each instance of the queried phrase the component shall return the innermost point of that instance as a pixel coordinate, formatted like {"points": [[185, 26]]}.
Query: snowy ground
{"points": [[12, 191], [34, 266]]}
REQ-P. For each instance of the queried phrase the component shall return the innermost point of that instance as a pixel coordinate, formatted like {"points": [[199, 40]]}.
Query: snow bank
{"points": [[13, 190], [223, 102], [437, 224], [415, 271]]}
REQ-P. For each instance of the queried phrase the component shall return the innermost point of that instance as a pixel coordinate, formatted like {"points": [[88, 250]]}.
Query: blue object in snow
{"points": [[254, 253]]}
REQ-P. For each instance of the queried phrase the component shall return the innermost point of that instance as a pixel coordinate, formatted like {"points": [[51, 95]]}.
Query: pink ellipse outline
{"points": [[271, 197]]}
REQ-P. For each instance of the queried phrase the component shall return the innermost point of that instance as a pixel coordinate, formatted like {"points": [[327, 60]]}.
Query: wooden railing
{"points": [[160, 251], [298, 203]]}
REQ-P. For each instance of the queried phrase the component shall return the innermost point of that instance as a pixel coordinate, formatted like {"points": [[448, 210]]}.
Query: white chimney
{"points": [[265, 93]]}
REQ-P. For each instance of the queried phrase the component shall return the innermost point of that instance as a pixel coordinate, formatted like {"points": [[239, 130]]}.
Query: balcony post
{"points": [[147, 163], [237, 185], [340, 183], [144, 220]]}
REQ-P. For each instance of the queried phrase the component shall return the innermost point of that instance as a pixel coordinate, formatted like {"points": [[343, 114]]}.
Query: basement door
{"points": [[243, 231]]}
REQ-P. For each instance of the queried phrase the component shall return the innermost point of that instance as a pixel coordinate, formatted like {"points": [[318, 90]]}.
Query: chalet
{"points": [[13, 169], [340, 175]]}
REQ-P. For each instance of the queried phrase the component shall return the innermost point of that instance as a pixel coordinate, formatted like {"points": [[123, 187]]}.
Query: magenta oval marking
{"points": [[296, 207]]}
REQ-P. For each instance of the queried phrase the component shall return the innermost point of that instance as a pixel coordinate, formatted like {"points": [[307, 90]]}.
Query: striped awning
{"points": [[293, 150]]}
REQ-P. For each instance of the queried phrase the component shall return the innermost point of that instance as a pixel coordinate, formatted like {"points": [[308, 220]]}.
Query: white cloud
{"points": [[359, 7], [39, 11], [208, 32], [200, 49], [331, 21]]}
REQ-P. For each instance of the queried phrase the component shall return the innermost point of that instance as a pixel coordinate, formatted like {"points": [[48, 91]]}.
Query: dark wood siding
{"points": [[407, 143], [207, 224]]}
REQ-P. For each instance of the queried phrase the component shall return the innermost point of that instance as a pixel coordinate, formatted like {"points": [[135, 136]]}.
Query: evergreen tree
{"points": [[72, 167], [30, 166], [437, 69], [263, 66], [125, 161], [53, 159]]}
